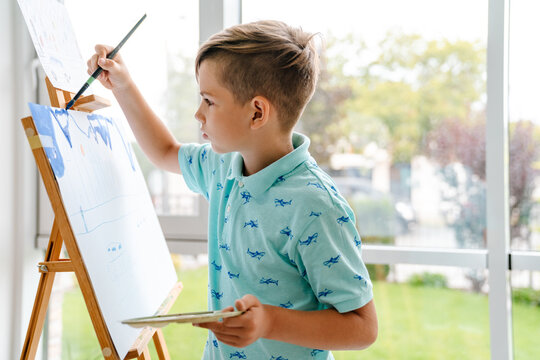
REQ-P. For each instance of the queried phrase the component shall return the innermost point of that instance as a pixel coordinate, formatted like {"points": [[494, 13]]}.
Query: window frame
{"points": [[187, 235]]}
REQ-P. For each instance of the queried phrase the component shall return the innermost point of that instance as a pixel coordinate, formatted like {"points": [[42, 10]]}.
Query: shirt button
{"points": [[240, 184]]}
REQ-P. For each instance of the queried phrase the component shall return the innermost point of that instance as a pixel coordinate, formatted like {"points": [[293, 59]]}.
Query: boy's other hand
{"points": [[115, 75], [243, 330]]}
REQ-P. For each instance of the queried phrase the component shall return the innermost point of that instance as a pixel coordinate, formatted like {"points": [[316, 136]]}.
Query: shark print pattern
{"points": [[216, 266], [281, 202], [256, 254], [324, 293], [317, 185], [332, 261], [287, 232], [217, 295], [246, 196], [225, 247], [315, 352], [247, 227], [238, 354], [204, 155], [310, 239], [287, 305], [252, 224], [268, 281]]}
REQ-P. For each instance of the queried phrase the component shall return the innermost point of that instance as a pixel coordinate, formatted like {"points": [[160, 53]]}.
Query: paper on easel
{"points": [[55, 43]]}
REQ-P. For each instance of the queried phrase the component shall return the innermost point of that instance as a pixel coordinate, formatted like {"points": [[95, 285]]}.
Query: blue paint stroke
{"points": [[103, 130], [99, 205], [88, 231], [99, 128], [82, 212], [44, 125]]}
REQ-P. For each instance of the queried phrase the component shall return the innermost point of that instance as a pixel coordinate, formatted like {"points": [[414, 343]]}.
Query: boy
{"points": [[282, 242]]}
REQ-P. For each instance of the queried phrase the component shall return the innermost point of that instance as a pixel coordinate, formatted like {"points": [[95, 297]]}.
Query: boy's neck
{"points": [[265, 153]]}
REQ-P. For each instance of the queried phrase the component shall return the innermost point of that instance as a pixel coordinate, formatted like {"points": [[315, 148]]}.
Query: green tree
{"points": [[413, 85], [321, 119]]}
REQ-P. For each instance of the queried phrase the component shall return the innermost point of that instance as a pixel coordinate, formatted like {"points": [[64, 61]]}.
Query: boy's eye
{"points": [[208, 102]]}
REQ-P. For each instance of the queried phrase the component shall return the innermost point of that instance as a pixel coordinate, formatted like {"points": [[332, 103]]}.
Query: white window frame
{"points": [[188, 234]]}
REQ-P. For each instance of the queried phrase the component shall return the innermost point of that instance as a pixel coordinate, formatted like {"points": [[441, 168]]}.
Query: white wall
{"points": [[18, 256], [6, 183]]}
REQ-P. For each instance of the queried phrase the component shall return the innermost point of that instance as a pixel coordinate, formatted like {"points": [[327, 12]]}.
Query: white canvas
{"points": [[55, 43], [111, 214]]}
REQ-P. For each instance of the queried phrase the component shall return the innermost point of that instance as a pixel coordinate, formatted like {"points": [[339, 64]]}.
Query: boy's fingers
{"points": [[103, 50], [246, 302], [212, 326], [106, 64], [92, 64]]}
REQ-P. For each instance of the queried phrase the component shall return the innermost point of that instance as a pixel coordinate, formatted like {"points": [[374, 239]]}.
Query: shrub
{"points": [[429, 280], [378, 272], [526, 296]]}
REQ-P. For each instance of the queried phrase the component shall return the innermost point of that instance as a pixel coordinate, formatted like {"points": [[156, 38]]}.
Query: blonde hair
{"points": [[266, 58]]}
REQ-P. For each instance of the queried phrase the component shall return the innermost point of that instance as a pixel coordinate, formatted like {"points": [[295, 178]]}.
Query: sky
{"points": [[172, 26]]}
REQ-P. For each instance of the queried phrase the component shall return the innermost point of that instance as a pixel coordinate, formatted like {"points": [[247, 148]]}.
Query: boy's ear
{"points": [[260, 107]]}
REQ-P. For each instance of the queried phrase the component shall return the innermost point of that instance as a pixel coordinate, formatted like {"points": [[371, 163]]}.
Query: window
{"points": [[414, 102], [398, 120], [160, 57], [524, 179], [403, 127]]}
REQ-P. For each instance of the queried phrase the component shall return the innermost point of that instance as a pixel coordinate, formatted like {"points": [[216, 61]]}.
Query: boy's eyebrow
{"points": [[205, 93]]}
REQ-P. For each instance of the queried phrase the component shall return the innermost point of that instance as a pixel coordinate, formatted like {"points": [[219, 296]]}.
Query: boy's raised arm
{"points": [[155, 139]]}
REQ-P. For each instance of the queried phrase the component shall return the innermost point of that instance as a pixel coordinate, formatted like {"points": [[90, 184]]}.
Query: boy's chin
{"points": [[218, 149]]}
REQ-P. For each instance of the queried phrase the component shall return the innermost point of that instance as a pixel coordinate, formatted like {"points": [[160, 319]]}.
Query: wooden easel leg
{"points": [[43, 295], [161, 347], [145, 355]]}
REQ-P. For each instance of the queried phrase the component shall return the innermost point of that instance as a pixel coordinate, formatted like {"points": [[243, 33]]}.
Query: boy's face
{"points": [[223, 122]]}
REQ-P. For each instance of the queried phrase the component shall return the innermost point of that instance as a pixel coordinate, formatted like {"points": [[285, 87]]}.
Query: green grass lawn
{"points": [[414, 323]]}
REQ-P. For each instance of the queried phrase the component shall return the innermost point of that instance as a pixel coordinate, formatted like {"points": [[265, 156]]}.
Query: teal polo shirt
{"points": [[284, 234]]}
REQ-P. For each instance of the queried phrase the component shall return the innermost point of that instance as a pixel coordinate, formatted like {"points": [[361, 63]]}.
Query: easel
{"points": [[62, 233]]}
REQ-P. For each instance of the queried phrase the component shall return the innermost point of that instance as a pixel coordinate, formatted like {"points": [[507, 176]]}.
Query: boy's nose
{"points": [[199, 116]]}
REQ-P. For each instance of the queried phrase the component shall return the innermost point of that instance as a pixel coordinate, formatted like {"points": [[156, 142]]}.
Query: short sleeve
{"points": [[329, 254], [195, 163]]}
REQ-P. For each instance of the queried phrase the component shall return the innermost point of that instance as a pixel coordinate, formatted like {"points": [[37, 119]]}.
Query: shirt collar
{"points": [[261, 181]]}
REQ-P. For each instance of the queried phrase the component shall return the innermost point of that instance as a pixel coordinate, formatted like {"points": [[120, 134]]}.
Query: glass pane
{"points": [[524, 132], [398, 118], [436, 306], [526, 314], [443, 316], [160, 56], [72, 337], [524, 151]]}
